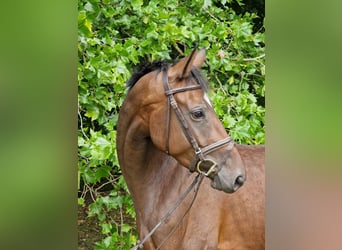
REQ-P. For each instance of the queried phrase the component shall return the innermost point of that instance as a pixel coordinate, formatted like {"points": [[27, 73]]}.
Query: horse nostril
{"points": [[239, 182]]}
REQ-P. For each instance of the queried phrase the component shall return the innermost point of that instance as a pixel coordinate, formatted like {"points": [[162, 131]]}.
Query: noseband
{"points": [[199, 163]]}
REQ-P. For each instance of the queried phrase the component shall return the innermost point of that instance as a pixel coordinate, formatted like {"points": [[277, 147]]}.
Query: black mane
{"points": [[147, 67], [144, 68]]}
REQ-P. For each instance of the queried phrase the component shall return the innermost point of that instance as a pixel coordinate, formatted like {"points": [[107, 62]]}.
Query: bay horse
{"points": [[166, 127]]}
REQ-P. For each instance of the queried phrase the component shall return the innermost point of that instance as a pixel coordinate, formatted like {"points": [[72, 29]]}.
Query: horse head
{"points": [[183, 124]]}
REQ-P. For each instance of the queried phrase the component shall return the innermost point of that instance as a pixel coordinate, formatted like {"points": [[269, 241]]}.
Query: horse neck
{"points": [[153, 178], [147, 170]]}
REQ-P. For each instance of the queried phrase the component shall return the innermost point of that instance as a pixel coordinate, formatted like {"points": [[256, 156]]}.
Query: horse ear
{"points": [[183, 68], [199, 59]]}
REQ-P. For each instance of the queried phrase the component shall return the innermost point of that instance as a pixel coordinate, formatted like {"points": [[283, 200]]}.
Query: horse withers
{"points": [[167, 131]]}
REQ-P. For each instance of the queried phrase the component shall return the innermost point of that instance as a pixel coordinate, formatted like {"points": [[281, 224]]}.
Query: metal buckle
{"points": [[211, 170], [198, 151]]}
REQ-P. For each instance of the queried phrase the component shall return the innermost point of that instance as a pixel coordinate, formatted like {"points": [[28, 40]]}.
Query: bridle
{"points": [[200, 164]]}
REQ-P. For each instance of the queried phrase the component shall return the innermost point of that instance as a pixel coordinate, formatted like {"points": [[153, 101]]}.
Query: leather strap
{"points": [[212, 147], [199, 152], [172, 102], [197, 180], [181, 89]]}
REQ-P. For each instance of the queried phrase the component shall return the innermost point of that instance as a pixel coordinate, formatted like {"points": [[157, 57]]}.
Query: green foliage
{"points": [[118, 234], [113, 37]]}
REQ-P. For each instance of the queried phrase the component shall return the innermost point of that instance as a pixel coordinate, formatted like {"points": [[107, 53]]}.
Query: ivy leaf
{"points": [[137, 4], [206, 4], [106, 228], [125, 228], [93, 112]]}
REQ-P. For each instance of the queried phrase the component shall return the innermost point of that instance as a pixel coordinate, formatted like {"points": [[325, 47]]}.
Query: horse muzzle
{"points": [[228, 184]]}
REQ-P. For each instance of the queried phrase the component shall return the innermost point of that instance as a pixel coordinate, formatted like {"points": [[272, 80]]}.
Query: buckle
{"points": [[212, 168]]}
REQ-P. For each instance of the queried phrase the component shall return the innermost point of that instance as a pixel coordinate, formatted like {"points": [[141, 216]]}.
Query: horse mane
{"points": [[144, 68]]}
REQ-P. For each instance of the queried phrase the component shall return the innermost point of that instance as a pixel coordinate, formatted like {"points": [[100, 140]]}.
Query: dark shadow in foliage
{"points": [[251, 6]]}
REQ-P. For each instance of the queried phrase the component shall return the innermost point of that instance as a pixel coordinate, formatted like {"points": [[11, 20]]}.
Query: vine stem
{"points": [[253, 59], [218, 80], [79, 115], [178, 49], [108, 182]]}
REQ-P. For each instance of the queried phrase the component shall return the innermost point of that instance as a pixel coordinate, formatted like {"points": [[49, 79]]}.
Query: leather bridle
{"points": [[199, 163]]}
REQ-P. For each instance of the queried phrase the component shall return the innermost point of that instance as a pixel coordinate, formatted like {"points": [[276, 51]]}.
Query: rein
{"points": [[204, 167], [198, 180]]}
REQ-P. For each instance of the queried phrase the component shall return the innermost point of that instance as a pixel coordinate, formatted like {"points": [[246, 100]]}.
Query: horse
{"points": [[168, 134]]}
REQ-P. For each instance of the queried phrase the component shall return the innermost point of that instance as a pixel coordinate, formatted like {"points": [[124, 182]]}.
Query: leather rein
{"points": [[199, 161]]}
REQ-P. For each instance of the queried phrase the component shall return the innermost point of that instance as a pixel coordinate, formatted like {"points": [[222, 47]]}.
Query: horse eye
{"points": [[197, 114]]}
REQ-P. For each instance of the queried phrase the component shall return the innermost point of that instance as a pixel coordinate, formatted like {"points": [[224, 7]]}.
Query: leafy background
{"points": [[113, 37]]}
